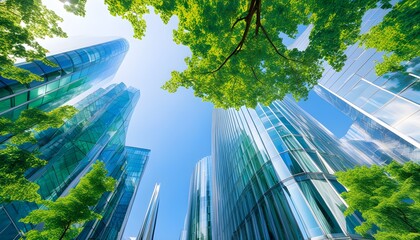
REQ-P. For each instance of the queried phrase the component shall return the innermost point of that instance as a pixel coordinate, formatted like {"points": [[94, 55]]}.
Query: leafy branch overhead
{"points": [[397, 35], [239, 56], [15, 160], [22, 22]]}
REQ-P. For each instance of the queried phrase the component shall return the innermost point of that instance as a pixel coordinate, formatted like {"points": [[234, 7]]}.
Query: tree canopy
{"points": [[60, 217], [238, 54], [388, 197], [397, 35], [21, 23], [15, 161]]}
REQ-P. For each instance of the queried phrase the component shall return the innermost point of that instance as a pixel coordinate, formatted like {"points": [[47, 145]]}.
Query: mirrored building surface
{"points": [[197, 224], [96, 132], [273, 176], [147, 230], [75, 71], [385, 109]]}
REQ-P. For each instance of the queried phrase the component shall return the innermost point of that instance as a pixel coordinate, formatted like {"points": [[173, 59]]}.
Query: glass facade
{"points": [[385, 109], [273, 176], [147, 230], [75, 72], [97, 131], [198, 219]]}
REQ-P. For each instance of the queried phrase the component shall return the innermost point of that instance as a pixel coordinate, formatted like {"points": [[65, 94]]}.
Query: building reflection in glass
{"points": [[273, 176]]}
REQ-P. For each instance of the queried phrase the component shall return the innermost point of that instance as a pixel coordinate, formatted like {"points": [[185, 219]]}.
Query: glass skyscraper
{"points": [[76, 71], [385, 109], [147, 230], [97, 131], [197, 224], [273, 176]]}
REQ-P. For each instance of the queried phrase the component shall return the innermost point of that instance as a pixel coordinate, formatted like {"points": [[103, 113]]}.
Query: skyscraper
{"points": [[147, 230], [76, 71], [385, 109], [273, 176], [97, 131], [198, 219]]}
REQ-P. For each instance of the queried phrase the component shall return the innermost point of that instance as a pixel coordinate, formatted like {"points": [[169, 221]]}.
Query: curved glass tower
{"points": [[273, 176], [96, 132], [198, 219], [76, 71]]}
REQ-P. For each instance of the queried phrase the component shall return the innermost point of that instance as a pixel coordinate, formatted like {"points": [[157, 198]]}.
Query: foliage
{"points": [[13, 185], [131, 10], [77, 7], [14, 161], [59, 217], [388, 197], [397, 35], [21, 23], [238, 55]]}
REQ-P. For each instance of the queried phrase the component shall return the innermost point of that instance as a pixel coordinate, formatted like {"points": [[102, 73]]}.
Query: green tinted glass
{"points": [[21, 98]]}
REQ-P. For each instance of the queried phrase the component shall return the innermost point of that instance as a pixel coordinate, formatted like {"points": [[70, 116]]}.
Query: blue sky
{"points": [[176, 127]]}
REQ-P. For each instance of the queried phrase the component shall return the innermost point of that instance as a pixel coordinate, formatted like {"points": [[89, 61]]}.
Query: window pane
{"points": [[64, 80], [21, 98], [398, 82], [5, 104], [35, 103], [65, 63], [396, 110], [413, 93], [377, 101], [52, 86], [37, 92]]}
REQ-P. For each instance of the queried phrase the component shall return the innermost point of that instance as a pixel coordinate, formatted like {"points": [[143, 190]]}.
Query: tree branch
{"points": [[248, 19], [254, 9], [65, 230], [275, 48], [255, 75]]}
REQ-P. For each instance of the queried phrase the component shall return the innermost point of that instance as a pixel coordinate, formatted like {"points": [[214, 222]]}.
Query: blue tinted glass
{"points": [[34, 68], [377, 101], [398, 82], [50, 72], [412, 93], [65, 62], [76, 59], [84, 56]]}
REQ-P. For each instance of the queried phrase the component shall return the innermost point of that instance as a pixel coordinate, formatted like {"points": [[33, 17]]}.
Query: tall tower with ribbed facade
{"points": [[147, 230], [273, 176], [198, 219]]}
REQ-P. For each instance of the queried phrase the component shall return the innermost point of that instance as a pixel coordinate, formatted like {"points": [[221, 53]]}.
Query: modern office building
{"points": [[197, 224], [147, 230], [96, 132], [385, 109], [273, 176], [76, 71]]}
